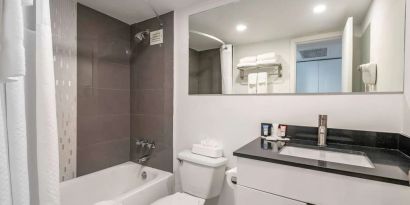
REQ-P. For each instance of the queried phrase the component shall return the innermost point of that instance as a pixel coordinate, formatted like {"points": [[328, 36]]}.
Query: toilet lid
{"points": [[180, 199]]}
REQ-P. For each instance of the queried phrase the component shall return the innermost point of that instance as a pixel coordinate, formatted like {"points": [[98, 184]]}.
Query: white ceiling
{"points": [[133, 11], [273, 19]]}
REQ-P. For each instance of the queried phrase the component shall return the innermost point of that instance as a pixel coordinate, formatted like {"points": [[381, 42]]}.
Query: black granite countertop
{"points": [[390, 165]]}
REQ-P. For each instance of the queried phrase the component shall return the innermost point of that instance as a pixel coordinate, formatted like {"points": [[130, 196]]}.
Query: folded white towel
{"points": [[266, 56], [262, 86], [12, 56], [267, 63], [252, 83], [250, 59], [245, 65]]}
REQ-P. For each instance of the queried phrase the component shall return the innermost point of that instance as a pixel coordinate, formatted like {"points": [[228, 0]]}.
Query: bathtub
{"points": [[123, 183]]}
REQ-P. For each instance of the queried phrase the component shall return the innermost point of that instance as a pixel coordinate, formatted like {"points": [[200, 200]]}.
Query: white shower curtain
{"points": [[46, 115], [15, 188], [226, 69]]}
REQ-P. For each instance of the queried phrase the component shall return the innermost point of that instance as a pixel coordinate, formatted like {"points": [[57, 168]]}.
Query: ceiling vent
{"points": [[314, 53]]}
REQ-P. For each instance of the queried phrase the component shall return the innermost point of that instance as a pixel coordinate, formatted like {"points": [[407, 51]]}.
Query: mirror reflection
{"points": [[299, 47]]}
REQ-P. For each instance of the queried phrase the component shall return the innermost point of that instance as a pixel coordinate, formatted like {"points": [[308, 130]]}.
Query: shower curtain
{"points": [[16, 107], [226, 69]]}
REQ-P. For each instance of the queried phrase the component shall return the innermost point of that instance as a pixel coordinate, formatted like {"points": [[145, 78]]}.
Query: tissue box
{"points": [[208, 151]]}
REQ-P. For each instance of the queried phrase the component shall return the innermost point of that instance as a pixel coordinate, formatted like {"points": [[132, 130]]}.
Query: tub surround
{"points": [[387, 152], [103, 91], [152, 92]]}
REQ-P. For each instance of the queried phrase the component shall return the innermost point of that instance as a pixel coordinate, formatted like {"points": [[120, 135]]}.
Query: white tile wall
{"points": [[64, 29]]}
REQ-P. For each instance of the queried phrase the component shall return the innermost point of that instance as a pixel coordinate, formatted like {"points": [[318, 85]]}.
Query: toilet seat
{"points": [[179, 199]]}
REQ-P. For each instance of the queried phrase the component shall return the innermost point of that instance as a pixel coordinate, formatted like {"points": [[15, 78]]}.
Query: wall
{"points": [[103, 91], [64, 30], [386, 19], [152, 92], [235, 120], [280, 47], [205, 71], [406, 106]]}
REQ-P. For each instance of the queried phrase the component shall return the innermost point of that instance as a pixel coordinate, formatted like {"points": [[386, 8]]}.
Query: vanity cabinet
{"points": [[268, 181], [247, 196]]}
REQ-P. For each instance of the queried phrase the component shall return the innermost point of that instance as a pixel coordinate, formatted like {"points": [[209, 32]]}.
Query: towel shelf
{"points": [[277, 70]]}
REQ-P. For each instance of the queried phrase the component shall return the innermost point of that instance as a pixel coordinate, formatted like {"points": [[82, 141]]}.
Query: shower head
{"points": [[140, 36]]}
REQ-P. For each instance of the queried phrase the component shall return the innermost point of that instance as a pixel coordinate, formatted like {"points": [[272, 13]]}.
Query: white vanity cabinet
{"points": [[248, 196], [261, 183]]}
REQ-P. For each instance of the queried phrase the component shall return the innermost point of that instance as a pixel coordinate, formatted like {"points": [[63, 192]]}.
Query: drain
{"points": [[144, 175]]}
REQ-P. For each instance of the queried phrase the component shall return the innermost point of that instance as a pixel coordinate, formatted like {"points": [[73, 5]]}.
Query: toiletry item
{"points": [[266, 129], [283, 130], [275, 130]]}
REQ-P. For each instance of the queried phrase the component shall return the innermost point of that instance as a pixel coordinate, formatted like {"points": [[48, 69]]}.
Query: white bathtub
{"points": [[123, 183]]}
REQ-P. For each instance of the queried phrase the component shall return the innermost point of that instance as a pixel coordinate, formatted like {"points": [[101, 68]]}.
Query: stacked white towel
{"points": [[247, 62], [262, 86], [267, 59], [252, 83]]}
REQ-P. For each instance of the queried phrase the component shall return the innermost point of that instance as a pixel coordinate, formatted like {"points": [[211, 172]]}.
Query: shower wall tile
{"points": [[103, 155], [152, 93], [64, 32], [103, 91]]}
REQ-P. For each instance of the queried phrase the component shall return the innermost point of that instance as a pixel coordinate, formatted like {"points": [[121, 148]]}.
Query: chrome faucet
{"points": [[322, 131], [146, 149], [144, 159]]}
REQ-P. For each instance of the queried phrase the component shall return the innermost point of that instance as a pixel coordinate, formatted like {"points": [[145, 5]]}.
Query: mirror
{"points": [[298, 47]]}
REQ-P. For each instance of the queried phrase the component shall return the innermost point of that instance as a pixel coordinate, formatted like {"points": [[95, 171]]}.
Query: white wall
{"points": [[280, 47], [235, 120], [406, 104], [386, 39]]}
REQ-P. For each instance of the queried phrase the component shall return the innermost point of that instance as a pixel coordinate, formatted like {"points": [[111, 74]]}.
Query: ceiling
{"points": [[272, 19], [133, 11]]}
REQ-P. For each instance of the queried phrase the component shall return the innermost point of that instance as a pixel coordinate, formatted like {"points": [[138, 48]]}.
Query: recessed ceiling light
{"points": [[241, 27], [319, 9]]}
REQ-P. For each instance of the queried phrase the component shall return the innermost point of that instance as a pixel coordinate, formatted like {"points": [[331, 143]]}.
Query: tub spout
{"points": [[144, 159]]}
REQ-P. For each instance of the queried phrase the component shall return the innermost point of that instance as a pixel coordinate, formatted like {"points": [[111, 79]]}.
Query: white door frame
{"points": [[303, 40]]}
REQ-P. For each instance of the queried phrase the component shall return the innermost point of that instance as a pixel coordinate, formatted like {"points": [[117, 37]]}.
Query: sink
{"points": [[354, 159]]}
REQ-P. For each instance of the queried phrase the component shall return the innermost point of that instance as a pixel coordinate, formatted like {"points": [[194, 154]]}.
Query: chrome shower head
{"points": [[140, 36]]}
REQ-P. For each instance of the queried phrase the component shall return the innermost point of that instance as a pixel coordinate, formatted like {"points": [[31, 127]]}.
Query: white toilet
{"points": [[201, 178]]}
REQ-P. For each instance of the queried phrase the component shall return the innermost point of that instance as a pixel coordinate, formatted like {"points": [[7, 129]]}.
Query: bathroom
{"points": [[216, 102]]}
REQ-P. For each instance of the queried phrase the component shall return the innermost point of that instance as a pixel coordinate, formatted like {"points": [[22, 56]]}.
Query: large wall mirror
{"points": [[298, 47]]}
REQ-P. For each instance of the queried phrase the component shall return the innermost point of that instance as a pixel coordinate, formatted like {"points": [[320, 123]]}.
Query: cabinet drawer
{"points": [[317, 187], [247, 196]]}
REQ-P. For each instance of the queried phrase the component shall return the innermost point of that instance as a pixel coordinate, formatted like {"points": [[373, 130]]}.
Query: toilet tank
{"points": [[201, 176]]}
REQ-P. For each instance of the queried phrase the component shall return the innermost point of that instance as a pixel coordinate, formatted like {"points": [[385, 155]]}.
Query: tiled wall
{"points": [[205, 76], [152, 92], [103, 91], [64, 30]]}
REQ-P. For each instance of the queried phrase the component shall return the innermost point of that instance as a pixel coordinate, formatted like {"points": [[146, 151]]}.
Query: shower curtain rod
{"points": [[208, 36]]}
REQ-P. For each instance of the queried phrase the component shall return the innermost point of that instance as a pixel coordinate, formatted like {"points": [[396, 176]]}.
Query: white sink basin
{"points": [[328, 156]]}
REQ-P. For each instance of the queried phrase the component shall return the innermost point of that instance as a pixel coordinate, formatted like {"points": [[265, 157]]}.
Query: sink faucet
{"points": [[322, 132]]}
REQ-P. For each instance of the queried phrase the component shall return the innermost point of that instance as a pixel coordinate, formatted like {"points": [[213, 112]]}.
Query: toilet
{"points": [[201, 177]]}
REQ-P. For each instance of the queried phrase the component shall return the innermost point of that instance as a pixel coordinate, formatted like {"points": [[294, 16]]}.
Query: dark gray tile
{"points": [[103, 155], [113, 75], [87, 101], [147, 102], [144, 126], [98, 129], [113, 102]]}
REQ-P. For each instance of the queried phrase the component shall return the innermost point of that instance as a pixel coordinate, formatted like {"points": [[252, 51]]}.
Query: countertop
{"points": [[390, 165]]}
